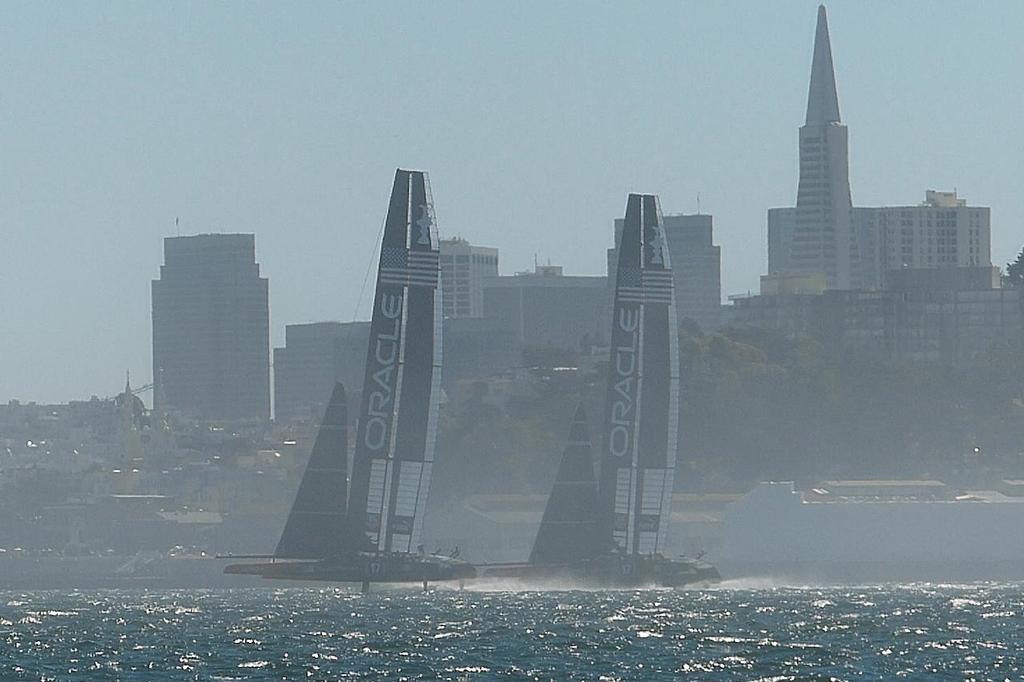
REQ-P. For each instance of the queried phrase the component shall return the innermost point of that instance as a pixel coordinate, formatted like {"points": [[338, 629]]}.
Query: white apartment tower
{"points": [[942, 232], [464, 269]]}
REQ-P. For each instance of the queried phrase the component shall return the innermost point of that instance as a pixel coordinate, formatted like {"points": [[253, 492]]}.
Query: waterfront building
{"points": [[464, 269], [696, 267], [211, 329]]}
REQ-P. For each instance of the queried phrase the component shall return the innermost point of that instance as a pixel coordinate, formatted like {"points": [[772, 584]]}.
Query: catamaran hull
{"points": [[615, 572], [363, 568]]}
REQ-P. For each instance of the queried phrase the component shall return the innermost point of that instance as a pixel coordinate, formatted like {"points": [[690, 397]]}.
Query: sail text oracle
{"points": [[385, 354], [622, 412]]}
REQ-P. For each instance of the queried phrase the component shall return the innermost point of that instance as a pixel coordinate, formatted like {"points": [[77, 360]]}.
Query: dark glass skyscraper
{"points": [[211, 329]]}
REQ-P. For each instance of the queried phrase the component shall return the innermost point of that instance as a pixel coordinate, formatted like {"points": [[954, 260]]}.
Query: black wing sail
{"points": [[659, 422], [398, 418], [316, 524], [641, 409], [568, 529], [416, 431]]}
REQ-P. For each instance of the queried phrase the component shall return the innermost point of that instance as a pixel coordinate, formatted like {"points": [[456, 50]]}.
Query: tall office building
{"points": [[696, 267], [817, 235], [464, 269], [211, 329]]}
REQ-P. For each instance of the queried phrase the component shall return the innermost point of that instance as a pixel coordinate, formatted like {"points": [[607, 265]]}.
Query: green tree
{"points": [[1014, 276]]}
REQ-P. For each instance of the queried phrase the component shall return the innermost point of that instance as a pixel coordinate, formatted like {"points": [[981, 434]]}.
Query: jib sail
{"points": [[316, 525], [568, 529]]}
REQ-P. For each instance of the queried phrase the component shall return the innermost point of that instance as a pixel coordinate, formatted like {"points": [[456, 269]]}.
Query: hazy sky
{"points": [[534, 119]]}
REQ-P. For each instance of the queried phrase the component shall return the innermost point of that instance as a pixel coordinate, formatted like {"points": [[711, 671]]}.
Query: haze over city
{"points": [[472, 341], [534, 121]]}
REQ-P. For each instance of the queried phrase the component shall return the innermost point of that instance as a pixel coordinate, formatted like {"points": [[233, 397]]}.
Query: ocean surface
{"points": [[734, 632]]}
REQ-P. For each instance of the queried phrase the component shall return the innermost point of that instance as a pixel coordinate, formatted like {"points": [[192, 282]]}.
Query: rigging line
{"points": [[362, 289], [369, 266]]}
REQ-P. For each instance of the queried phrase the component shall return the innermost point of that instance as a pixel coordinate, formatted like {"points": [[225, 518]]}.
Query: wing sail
{"points": [[398, 418], [641, 408]]}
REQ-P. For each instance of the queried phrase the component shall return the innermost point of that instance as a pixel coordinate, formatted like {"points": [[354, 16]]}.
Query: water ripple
{"points": [[863, 633]]}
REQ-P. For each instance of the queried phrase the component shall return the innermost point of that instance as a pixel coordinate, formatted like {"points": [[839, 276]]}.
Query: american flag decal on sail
{"points": [[657, 286], [629, 288], [409, 268], [649, 286]]}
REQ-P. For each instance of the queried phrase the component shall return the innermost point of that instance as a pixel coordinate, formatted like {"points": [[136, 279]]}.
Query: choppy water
{"points": [[913, 632]]}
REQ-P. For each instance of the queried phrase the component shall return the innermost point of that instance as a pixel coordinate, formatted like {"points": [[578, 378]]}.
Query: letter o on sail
{"points": [[376, 433], [618, 441]]}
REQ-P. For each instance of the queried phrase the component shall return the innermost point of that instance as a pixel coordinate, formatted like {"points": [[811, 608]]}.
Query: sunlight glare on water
{"points": [[874, 632]]}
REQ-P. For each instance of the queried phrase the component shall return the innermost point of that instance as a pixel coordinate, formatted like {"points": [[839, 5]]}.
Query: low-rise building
{"points": [[949, 316], [549, 308]]}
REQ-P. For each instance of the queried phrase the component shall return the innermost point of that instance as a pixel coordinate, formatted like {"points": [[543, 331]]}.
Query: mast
{"points": [[398, 418], [641, 408]]}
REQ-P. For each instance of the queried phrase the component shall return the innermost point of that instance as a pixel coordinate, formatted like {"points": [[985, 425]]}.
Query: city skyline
{"points": [[102, 158]]}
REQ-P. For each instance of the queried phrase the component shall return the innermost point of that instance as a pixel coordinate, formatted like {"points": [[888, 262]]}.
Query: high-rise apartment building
{"points": [[211, 329], [696, 267], [817, 235], [939, 233], [464, 269]]}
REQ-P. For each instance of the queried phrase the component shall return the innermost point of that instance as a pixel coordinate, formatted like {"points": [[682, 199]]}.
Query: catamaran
{"points": [[611, 531], [370, 531]]}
